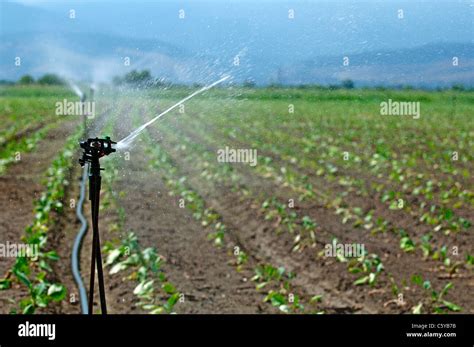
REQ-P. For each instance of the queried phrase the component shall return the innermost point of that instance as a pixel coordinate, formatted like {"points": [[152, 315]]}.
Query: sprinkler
{"points": [[94, 149], [83, 112], [92, 90]]}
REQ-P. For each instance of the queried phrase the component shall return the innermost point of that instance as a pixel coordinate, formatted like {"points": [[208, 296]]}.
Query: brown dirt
{"points": [[22, 133], [204, 273], [21, 186], [197, 268], [399, 264], [259, 238]]}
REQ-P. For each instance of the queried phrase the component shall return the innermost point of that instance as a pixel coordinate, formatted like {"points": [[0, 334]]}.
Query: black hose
{"points": [[76, 250]]}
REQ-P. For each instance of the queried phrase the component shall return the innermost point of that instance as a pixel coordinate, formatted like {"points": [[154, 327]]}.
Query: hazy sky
{"points": [[332, 27], [261, 32]]}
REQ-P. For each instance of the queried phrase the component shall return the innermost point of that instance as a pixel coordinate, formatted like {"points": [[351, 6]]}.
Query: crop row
{"points": [[143, 266], [34, 270], [276, 282], [13, 150], [332, 166], [289, 182], [302, 184]]}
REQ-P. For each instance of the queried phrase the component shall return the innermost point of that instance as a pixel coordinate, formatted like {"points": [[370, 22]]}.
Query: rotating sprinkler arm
{"points": [[94, 149]]}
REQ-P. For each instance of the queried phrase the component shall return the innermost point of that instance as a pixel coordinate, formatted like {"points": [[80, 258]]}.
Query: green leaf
{"points": [[372, 278], [173, 299], [417, 309], [417, 279], [142, 273], [448, 214], [168, 288], [29, 309], [5, 283], [22, 277], [157, 310], [407, 244], [276, 299], [45, 266], [113, 256], [451, 306], [143, 288], [39, 289], [361, 280], [149, 307], [447, 287], [52, 255], [316, 298], [57, 292], [118, 267], [42, 301]]}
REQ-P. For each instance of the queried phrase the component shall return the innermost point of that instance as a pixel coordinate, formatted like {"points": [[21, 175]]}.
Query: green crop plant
{"points": [[144, 267], [437, 302], [369, 265], [33, 273]]}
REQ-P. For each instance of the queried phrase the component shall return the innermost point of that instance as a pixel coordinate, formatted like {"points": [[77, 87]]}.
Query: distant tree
{"points": [[347, 84], [117, 80], [249, 83], [138, 77], [311, 86], [50, 79], [6, 83], [26, 79], [458, 87], [274, 85]]}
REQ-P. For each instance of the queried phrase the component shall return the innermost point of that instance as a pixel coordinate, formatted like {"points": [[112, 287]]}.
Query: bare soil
{"points": [[21, 186]]}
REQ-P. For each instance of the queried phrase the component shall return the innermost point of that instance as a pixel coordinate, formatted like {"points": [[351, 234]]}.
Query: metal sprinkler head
{"points": [[95, 148]]}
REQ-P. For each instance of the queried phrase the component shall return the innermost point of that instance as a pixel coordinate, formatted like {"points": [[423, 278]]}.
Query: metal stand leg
{"points": [[96, 258]]}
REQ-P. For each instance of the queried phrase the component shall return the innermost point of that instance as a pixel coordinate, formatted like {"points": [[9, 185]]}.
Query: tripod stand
{"points": [[94, 149]]}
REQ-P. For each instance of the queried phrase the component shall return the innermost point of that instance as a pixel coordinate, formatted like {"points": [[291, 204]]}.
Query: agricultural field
{"points": [[244, 200]]}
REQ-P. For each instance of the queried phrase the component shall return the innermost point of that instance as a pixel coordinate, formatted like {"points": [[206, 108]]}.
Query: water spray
{"points": [[94, 149], [125, 142], [75, 89]]}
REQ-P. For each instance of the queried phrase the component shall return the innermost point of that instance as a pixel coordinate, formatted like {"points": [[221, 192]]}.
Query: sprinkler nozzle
{"points": [[96, 148]]}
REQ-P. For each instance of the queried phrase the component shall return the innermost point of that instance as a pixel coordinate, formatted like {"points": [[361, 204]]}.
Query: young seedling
{"points": [[437, 303]]}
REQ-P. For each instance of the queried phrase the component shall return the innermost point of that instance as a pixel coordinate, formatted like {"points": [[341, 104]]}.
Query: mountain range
{"points": [[258, 42]]}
